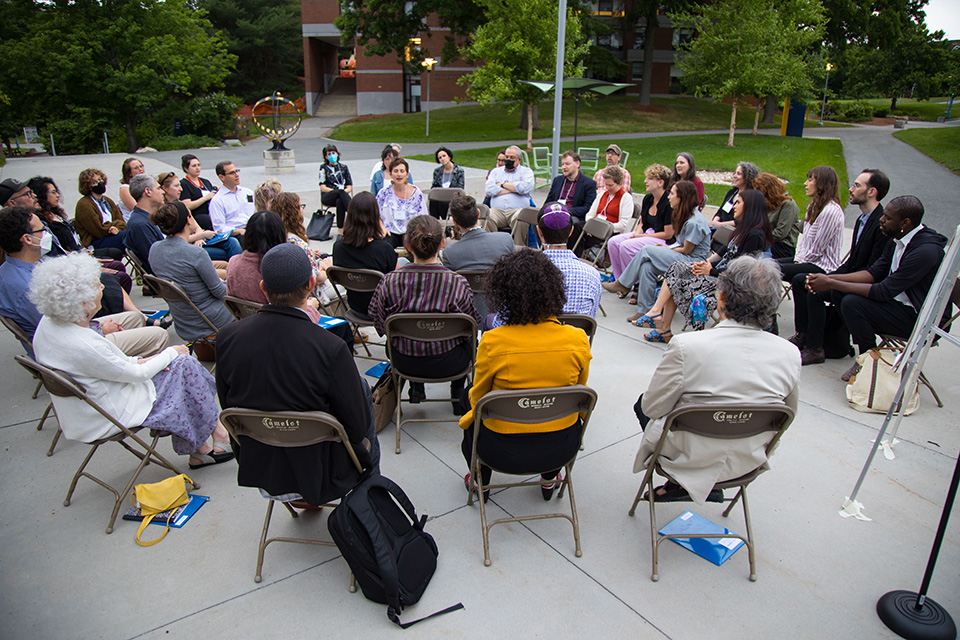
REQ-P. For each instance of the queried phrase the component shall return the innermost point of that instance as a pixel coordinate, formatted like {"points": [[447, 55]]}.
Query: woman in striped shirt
{"points": [[425, 286], [819, 247]]}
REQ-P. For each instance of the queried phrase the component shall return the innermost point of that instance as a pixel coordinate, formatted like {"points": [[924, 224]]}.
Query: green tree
{"points": [[384, 27], [266, 38], [519, 42], [113, 60], [748, 47]]}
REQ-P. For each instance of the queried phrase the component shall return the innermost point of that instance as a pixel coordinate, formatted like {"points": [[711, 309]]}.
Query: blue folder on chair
{"points": [[716, 550]]}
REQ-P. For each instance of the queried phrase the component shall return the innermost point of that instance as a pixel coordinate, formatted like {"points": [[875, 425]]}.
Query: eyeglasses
{"points": [[166, 176], [235, 172], [34, 231], [303, 206], [53, 191], [30, 195]]}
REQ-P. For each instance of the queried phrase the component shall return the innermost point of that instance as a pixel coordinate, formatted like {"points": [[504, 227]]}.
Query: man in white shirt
{"points": [[509, 188], [232, 205]]}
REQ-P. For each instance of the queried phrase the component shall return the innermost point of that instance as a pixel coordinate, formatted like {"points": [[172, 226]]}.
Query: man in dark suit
{"points": [[886, 297], [575, 190], [279, 360], [810, 309]]}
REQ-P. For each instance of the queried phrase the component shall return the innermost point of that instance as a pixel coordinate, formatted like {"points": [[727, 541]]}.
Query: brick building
{"points": [[382, 85]]}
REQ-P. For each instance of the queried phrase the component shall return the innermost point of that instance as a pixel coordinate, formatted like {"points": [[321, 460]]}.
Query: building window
{"points": [[605, 7], [640, 38], [610, 41], [638, 71], [682, 37]]}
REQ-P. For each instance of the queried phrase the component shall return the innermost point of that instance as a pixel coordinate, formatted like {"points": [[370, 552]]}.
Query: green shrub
{"points": [[880, 112], [82, 134], [211, 115], [189, 141]]}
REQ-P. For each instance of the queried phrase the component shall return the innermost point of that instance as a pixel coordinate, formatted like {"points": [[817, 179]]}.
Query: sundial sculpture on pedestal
{"points": [[278, 119]]}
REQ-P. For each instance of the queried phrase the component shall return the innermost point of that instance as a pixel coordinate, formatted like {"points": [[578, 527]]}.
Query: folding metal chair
{"points": [[300, 429], [62, 385], [428, 327], [358, 281], [541, 165], [528, 217], [174, 294], [528, 406], [624, 156], [589, 158], [900, 343], [581, 321], [598, 229], [478, 284], [139, 270], [725, 421], [241, 308], [27, 343]]}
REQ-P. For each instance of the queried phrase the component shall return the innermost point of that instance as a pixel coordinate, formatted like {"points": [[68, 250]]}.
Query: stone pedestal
{"points": [[277, 162]]}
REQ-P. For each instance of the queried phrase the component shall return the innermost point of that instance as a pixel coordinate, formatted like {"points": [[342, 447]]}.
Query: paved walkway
{"points": [[819, 575]]}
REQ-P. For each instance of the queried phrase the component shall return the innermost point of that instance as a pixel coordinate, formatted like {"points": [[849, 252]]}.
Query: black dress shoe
{"points": [[417, 393]]}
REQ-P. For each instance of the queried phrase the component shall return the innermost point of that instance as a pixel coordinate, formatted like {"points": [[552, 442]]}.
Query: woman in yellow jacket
{"points": [[531, 349]]}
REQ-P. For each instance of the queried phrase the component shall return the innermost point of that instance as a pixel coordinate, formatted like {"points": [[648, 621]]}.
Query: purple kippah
{"points": [[556, 216]]}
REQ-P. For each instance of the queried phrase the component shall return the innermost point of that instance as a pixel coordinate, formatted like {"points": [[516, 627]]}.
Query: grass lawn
{"points": [[943, 145], [928, 110], [615, 114], [788, 158]]}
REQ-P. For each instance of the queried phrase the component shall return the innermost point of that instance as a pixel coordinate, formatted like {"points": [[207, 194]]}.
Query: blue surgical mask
{"points": [[332, 158]]}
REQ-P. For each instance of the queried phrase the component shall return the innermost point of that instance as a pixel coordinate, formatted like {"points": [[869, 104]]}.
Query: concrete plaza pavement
{"points": [[819, 574]]}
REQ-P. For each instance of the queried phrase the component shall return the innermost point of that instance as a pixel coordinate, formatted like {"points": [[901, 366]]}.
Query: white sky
{"points": [[944, 14]]}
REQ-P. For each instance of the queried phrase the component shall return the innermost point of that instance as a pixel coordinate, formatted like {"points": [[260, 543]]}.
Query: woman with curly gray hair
{"points": [[735, 362], [169, 392]]}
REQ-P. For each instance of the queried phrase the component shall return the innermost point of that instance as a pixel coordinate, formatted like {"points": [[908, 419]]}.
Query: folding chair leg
{"points": [[263, 540], [76, 477], [602, 311], [133, 480], [353, 583], [654, 538], [750, 549], [56, 439], [726, 512], [926, 383], [43, 418], [568, 484], [36, 392], [478, 480], [398, 386]]}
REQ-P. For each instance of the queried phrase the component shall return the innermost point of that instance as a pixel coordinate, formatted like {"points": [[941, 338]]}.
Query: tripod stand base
{"points": [[897, 610]]}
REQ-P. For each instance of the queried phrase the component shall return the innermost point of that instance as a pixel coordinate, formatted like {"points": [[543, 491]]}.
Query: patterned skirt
{"points": [[684, 286], [186, 404]]}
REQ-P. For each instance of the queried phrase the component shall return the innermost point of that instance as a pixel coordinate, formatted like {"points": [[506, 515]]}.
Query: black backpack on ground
{"points": [[375, 526]]}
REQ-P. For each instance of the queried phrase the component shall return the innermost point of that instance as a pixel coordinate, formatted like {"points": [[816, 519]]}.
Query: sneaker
{"points": [[849, 373], [812, 356], [799, 340]]}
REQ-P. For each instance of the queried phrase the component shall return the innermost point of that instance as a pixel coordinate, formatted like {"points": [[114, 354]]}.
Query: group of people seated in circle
{"points": [[252, 244]]}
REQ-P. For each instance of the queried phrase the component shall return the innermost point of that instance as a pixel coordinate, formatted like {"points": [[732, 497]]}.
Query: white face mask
{"points": [[46, 242]]}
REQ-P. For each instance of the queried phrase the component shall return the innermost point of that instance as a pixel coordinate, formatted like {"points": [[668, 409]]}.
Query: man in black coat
{"points": [[886, 297], [810, 309], [279, 360]]}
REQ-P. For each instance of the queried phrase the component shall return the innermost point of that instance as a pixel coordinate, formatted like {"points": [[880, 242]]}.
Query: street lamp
{"points": [[428, 63], [826, 82]]}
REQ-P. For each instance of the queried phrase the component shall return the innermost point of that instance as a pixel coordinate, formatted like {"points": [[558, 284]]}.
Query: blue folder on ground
{"points": [[716, 550], [155, 315], [178, 517], [330, 321], [377, 370]]}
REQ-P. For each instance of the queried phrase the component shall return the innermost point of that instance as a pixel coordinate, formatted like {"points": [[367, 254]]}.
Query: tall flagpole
{"points": [[558, 87]]}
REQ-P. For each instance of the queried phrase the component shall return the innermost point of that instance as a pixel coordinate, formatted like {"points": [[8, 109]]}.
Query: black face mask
{"points": [[100, 188], [509, 164]]}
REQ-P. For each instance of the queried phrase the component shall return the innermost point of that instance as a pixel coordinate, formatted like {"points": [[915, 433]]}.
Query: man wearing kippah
{"points": [[582, 280], [279, 360]]}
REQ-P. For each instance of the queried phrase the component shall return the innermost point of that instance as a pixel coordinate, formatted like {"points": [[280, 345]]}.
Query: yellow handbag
{"points": [[158, 497]]}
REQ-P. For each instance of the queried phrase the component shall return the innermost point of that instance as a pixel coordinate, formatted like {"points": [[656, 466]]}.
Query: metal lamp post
{"points": [[428, 63], [825, 84]]}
